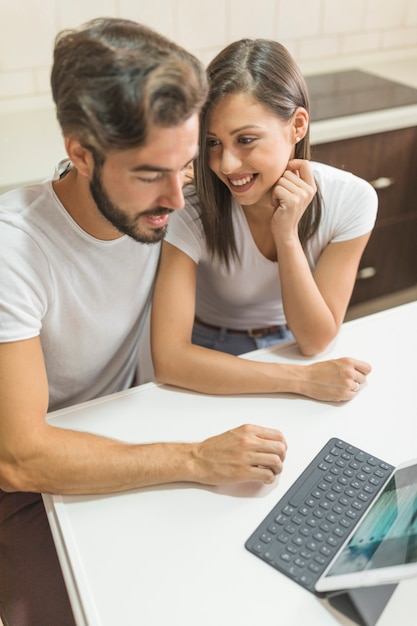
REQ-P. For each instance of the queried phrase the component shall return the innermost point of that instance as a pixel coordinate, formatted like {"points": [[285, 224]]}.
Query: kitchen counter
{"points": [[402, 69], [31, 141]]}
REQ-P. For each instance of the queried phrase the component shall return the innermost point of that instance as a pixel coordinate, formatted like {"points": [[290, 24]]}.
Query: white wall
{"points": [[311, 29]]}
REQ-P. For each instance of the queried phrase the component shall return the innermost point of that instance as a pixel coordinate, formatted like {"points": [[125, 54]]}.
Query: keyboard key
{"points": [[273, 528], [289, 528]]}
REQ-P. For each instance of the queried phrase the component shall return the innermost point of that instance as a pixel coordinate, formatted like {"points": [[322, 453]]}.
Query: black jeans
{"points": [[32, 588]]}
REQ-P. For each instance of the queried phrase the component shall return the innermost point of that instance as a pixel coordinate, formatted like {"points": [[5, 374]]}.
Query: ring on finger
{"points": [[357, 385]]}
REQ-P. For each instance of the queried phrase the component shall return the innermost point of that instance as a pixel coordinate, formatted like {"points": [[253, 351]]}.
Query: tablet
{"points": [[382, 548]]}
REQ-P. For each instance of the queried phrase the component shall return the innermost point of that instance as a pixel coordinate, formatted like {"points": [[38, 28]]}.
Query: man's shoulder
{"points": [[15, 203]]}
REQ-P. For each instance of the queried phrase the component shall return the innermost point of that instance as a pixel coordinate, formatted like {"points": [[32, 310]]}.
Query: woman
{"points": [[268, 245]]}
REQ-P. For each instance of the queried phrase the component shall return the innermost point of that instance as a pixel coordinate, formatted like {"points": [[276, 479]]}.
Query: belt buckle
{"points": [[255, 334]]}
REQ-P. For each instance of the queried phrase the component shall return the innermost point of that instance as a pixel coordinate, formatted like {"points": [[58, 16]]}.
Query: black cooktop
{"points": [[351, 92]]}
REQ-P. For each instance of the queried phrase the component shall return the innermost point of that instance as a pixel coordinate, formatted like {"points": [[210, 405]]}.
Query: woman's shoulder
{"points": [[334, 181], [191, 198], [349, 203], [185, 224], [328, 174]]}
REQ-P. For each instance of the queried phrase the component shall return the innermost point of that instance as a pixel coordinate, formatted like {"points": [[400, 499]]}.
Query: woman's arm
{"points": [[315, 302], [179, 362]]}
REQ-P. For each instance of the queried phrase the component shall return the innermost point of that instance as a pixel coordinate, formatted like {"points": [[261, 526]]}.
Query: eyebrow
{"points": [[149, 168], [237, 130], [154, 168]]}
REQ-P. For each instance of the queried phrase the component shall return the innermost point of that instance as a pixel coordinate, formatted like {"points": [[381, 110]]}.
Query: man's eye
{"points": [[152, 179]]}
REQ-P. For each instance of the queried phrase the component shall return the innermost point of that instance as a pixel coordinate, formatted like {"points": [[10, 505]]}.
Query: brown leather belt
{"points": [[251, 332]]}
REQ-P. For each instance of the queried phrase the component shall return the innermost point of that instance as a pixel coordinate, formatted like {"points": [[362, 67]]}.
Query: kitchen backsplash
{"points": [[311, 29]]}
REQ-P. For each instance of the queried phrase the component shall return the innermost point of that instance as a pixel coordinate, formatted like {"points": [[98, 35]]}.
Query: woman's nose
{"points": [[230, 162]]}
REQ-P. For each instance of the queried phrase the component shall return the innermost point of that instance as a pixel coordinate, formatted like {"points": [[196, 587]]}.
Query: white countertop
{"points": [[31, 141], [174, 554], [401, 69]]}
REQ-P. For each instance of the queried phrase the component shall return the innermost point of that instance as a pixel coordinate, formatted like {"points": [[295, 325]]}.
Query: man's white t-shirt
{"points": [[248, 294], [88, 299]]}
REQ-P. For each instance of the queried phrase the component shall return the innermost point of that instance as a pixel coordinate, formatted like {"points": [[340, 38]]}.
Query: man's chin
{"points": [[151, 236]]}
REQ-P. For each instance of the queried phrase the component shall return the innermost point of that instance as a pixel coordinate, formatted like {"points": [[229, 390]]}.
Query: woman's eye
{"points": [[212, 143], [246, 140]]}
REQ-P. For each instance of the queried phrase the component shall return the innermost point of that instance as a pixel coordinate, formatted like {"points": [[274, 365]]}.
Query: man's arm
{"points": [[35, 456]]}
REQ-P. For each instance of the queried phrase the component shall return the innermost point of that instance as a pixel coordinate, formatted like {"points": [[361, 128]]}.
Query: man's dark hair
{"points": [[112, 79]]}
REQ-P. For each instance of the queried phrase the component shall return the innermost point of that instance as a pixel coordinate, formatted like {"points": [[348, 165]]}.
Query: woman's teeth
{"points": [[241, 181]]}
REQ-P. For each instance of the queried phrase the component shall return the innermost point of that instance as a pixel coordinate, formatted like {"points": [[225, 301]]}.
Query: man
{"points": [[78, 255]]}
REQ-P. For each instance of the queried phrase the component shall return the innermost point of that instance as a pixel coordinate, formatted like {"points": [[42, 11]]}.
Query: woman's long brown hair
{"points": [[265, 70]]}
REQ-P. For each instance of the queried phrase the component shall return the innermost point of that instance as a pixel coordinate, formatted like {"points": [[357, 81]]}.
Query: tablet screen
{"points": [[387, 535]]}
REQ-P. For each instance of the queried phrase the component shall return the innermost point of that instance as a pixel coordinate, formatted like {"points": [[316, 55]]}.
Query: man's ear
{"points": [[300, 123], [80, 157]]}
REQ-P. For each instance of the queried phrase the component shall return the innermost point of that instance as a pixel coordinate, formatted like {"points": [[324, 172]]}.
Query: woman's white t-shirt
{"points": [[248, 294]]}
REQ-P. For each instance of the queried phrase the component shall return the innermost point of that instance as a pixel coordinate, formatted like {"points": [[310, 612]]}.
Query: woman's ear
{"points": [[300, 124], [81, 157]]}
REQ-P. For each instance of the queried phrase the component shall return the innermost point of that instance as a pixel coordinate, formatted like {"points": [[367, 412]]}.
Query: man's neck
{"points": [[73, 191]]}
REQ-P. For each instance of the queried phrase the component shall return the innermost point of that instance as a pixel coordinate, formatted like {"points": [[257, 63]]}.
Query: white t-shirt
{"points": [[88, 299], [248, 295]]}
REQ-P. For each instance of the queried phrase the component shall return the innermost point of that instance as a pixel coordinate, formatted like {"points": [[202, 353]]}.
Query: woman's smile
{"points": [[242, 183], [248, 147]]}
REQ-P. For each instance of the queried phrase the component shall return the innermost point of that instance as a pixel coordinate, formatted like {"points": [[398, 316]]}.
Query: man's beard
{"points": [[125, 224]]}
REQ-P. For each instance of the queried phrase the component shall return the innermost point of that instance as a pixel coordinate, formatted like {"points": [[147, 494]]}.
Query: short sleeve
{"points": [[349, 204], [24, 290], [185, 229]]}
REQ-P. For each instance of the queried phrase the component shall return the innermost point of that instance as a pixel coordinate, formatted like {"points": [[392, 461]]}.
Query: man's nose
{"points": [[173, 197]]}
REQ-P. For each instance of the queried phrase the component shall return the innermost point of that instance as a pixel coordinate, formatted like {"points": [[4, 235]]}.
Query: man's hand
{"points": [[245, 453]]}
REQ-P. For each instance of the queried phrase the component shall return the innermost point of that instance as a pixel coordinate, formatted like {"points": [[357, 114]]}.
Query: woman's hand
{"points": [[291, 196], [337, 380]]}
